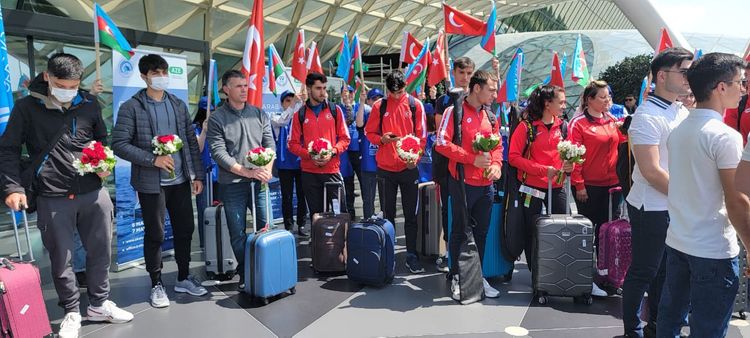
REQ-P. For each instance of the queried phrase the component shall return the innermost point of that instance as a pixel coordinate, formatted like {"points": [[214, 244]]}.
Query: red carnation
{"points": [[95, 161], [85, 159], [410, 145], [258, 150], [320, 145], [165, 138], [486, 134]]}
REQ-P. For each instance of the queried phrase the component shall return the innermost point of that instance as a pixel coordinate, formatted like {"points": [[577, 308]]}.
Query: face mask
{"points": [[160, 82], [63, 95]]}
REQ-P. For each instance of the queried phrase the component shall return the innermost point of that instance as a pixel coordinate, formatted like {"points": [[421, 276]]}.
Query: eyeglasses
{"points": [[630, 99], [742, 82], [681, 71]]}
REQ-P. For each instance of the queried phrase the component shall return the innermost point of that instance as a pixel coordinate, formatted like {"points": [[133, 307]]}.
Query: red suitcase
{"points": [[614, 254], [22, 309]]}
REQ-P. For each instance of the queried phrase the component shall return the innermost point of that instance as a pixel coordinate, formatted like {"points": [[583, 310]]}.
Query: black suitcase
{"points": [[563, 255], [429, 221]]}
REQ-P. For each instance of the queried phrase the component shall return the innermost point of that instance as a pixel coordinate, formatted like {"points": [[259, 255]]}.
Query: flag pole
{"points": [[209, 88], [291, 80], [747, 50], [96, 45]]}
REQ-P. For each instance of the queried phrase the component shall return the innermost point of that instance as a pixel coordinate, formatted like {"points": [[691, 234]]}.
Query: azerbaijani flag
{"points": [[276, 68], [356, 67], [416, 75], [343, 59], [488, 40], [6, 92], [106, 32], [580, 68], [213, 83]]}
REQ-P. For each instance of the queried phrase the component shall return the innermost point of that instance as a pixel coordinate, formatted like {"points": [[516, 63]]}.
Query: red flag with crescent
{"points": [[410, 48], [253, 58], [457, 22], [299, 62]]}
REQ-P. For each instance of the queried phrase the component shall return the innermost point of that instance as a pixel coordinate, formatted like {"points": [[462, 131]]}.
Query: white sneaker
{"points": [[455, 288], [159, 297], [598, 292], [190, 286], [489, 291], [109, 312], [70, 325]]}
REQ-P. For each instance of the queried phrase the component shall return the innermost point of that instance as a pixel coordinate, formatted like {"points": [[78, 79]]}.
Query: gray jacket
{"points": [[131, 140], [232, 134]]}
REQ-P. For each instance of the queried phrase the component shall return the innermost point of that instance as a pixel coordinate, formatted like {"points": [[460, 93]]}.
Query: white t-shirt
{"points": [[651, 125], [699, 147]]}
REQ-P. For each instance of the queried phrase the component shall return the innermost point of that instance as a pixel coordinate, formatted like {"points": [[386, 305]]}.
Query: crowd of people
{"points": [[687, 202]]}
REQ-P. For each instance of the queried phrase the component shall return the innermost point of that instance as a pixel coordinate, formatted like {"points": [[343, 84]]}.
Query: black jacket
{"points": [[34, 121]]}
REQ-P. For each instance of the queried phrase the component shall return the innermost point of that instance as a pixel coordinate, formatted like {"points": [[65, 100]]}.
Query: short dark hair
{"points": [[65, 67], [706, 73], [463, 63], [537, 99], [229, 75], [395, 81], [668, 58], [314, 76], [481, 77], [152, 62]]}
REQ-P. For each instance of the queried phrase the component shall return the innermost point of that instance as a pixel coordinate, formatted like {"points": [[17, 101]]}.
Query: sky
{"points": [[726, 17]]}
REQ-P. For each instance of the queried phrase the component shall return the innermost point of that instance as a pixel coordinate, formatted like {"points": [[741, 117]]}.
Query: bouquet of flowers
{"points": [[261, 157], [95, 158], [166, 145], [408, 148], [571, 153], [485, 142], [320, 148]]}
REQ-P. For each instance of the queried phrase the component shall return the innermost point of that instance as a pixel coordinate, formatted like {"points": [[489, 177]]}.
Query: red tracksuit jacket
{"points": [[322, 126], [541, 154], [397, 119], [473, 122], [601, 137]]}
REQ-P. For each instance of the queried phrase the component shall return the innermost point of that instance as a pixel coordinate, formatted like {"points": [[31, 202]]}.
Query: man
{"points": [[287, 164], [647, 200], [315, 120], [233, 130], [702, 249], [67, 204], [630, 104], [399, 120], [463, 69], [480, 171], [369, 167], [739, 117], [350, 160], [152, 112]]}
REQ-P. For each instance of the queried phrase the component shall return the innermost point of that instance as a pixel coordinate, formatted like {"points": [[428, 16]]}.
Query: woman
{"points": [[599, 132], [200, 123], [537, 159]]}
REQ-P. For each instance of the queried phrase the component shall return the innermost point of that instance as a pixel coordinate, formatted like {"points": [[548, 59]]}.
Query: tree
{"points": [[626, 76]]}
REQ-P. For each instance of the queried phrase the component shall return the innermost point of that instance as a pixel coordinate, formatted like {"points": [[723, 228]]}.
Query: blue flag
{"points": [[6, 92], [450, 72], [642, 92], [213, 82], [344, 59]]}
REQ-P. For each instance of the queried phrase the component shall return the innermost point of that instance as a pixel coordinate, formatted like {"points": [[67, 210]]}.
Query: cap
{"points": [[349, 88], [203, 102], [284, 95], [375, 93]]}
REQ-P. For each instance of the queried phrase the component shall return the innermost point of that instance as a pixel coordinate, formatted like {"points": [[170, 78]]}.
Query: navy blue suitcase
{"points": [[270, 261], [371, 256]]}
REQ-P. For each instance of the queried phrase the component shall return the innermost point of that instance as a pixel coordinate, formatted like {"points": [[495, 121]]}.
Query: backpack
{"points": [[412, 108], [301, 117], [740, 110]]}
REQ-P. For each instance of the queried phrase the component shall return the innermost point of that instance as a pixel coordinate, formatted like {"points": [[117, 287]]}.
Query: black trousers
{"points": [[291, 183], [559, 198], [355, 159], [313, 185], [595, 208], [177, 201], [407, 181], [478, 210], [442, 183]]}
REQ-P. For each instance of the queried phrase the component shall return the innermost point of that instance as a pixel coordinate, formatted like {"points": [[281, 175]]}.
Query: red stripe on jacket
{"points": [[600, 136]]}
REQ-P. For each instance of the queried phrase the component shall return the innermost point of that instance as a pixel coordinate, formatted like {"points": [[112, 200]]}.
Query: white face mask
{"points": [[160, 82], [63, 95]]}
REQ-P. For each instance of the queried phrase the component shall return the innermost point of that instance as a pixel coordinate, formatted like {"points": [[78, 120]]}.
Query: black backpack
{"points": [[412, 108], [740, 110], [301, 117]]}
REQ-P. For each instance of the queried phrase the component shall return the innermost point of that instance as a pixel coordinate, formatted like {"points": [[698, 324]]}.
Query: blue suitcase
{"points": [[270, 261], [371, 256]]}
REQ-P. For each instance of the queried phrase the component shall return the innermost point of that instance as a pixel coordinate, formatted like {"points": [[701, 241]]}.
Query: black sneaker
{"points": [[441, 263], [413, 264], [302, 233], [81, 279]]}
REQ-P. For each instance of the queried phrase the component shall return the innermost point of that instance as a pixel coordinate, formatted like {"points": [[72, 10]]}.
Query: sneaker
{"points": [[442, 263], [302, 233], [455, 288], [413, 264], [70, 325], [108, 312], [81, 279], [190, 286], [489, 291], [596, 291], [159, 297]]}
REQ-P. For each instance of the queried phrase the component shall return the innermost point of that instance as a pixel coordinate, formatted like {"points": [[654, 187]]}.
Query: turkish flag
{"points": [[253, 58], [313, 60], [664, 41], [457, 22], [410, 48], [299, 62], [556, 78], [437, 71]]}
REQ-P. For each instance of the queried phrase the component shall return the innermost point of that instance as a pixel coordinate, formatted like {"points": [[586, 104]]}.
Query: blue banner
{"points": [[6, 93]]}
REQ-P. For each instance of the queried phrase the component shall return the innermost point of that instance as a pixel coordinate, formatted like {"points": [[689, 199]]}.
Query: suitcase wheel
{"points": [[210, 275], [618, 291], [293, 290], [743, 315], [586, 299], [264, 300], [542, 299]]}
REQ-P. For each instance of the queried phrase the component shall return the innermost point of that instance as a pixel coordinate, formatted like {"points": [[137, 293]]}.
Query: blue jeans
{"points": [[706, 286], [79, 255], [237, 200], [368, 183], [647, 268]]}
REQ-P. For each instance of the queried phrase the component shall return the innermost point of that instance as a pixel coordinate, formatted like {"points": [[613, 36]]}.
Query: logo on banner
{"points": [[126, 68], [175, 70]]}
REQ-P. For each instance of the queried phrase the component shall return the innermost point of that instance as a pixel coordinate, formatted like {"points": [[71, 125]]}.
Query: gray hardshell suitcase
{"points": [[220, 261], [563, 255], [429, 220]]}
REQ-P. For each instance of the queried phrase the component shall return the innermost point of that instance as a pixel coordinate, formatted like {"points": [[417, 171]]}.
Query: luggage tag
{"points": [[530, 192], [527, 201], [336, 206]]}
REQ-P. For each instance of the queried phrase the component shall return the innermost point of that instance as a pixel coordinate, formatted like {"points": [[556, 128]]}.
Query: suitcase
{"points": [[740, 302], [220, 261], [429, 220], [270, 260], [328, 236], [614, 253], [495, 264], [371, 256], [563, 255], [23, 312]]}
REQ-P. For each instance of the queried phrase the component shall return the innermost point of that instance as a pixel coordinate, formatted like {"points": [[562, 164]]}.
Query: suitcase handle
{"points": [[26, 230], [612, 191], [566, 187], [6, 263], [269, 221], [342, 195]]}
